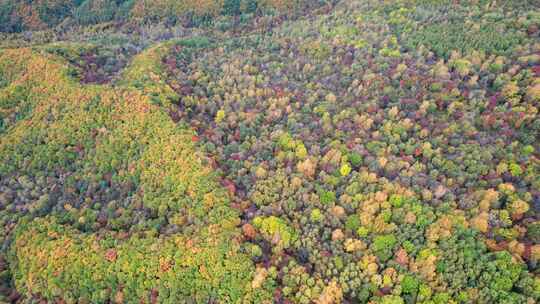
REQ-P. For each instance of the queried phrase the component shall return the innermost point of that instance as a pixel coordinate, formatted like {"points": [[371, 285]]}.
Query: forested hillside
{"points": [[270, 151], [17, 16]]}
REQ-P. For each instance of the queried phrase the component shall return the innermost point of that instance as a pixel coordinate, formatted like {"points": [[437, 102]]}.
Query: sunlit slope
{"points": [[61, 135]]}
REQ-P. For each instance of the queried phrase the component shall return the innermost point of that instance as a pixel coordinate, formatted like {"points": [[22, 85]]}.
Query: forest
{"points": [[270, 151]]}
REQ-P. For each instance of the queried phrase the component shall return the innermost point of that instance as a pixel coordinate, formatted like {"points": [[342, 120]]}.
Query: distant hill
{"points": [[31, 15]]}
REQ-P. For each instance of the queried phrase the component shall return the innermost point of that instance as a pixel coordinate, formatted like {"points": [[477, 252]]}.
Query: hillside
{"points": [[270, 151]]}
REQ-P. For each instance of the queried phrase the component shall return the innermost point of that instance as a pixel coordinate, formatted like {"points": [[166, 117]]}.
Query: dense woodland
{"points": [[270, 151]]}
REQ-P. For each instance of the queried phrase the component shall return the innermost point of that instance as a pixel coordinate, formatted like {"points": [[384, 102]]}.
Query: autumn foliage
{"points": [[271, 152]]}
